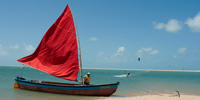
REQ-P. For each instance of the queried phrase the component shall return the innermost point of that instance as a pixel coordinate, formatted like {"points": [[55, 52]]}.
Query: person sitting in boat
{"points": [[87, 79]]}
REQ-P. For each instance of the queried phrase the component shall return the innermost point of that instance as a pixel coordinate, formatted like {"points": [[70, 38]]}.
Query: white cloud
{"points": [[159, 26], [182, 50], [93, 39], [146, 49], [29, 48], [119, 56], [2, 51], [194, 23], [15, 46], [146, 52], [172, 26], [100, 54], [175, 56], [154, 52], [119, 52]]}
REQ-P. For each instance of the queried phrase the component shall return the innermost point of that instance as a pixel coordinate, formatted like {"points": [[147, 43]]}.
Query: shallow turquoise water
{"points": [[138, 83]]}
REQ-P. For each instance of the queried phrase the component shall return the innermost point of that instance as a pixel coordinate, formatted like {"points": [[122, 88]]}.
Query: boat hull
{"points": [[70, 89]]}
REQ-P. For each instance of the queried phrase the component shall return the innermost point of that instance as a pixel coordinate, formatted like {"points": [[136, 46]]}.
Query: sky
{"points": [[164, 34]]}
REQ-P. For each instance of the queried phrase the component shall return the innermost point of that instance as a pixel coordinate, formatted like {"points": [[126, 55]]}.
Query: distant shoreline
{"points": [[145, 70], [122, 69]]}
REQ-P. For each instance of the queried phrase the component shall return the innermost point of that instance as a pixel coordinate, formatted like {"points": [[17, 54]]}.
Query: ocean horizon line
{"points": [[121, 69], [145, 69]]}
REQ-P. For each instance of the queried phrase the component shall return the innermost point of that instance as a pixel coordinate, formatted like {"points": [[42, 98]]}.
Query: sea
{"points": [[140, 82]]}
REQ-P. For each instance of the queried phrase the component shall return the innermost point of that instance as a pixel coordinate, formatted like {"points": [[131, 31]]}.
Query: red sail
{"points": [[57, 53]]}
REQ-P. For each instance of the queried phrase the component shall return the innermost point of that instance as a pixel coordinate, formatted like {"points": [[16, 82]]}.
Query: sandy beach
{"points": [[154, 97]]}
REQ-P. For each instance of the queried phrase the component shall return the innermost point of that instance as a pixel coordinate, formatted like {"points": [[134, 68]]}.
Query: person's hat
{"points": [[88, 73]]}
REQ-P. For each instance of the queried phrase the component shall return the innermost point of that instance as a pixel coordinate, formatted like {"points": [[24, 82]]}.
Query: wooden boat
{"points": [[66, 88], [59, 54]]}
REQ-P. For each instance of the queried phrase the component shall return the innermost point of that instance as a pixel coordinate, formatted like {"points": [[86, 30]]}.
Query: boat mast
{"points": [[79, 50]]}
